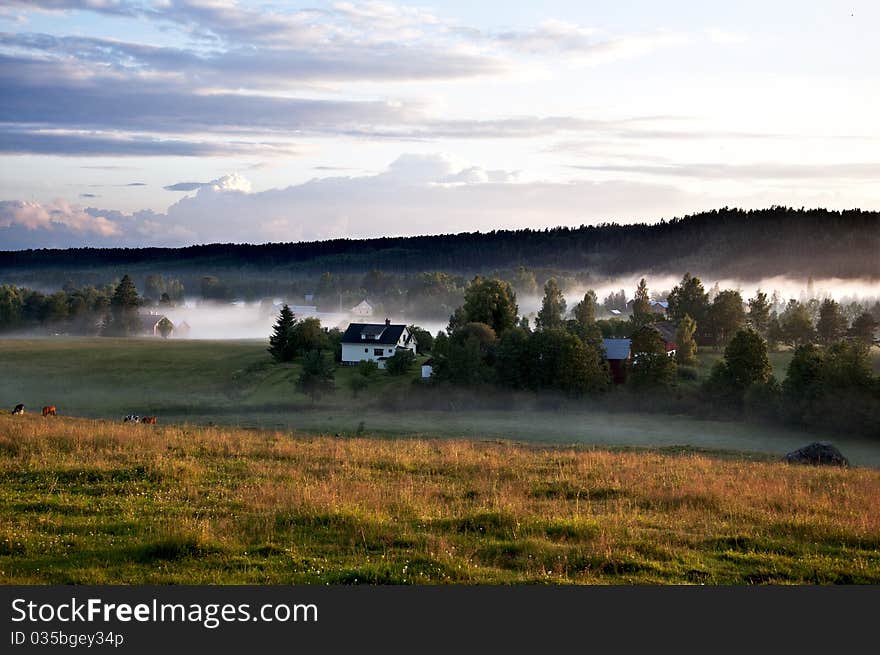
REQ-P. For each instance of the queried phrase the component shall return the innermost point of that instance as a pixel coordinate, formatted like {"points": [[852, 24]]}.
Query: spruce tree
{"points": [[552, 307], [832, 325], [123, 320], [281, 343], [642, 314]]}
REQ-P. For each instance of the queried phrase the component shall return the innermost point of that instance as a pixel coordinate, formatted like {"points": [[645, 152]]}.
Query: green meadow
{"points": [[236, 383]]}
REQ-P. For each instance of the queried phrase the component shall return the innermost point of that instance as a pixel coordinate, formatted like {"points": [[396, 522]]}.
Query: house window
{"points": [[366, 350], [378, 352]]}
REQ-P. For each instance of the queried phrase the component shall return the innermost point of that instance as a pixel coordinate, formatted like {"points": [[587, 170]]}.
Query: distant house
{"points": [[363, 309], [301, 311], [428, 369], [617, 352], [181, 330], [667, 330], [658, 307], [375, 342], [150, 324]]}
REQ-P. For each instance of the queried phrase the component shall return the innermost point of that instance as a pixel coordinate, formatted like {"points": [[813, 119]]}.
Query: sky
{"points": [[175, 122]]}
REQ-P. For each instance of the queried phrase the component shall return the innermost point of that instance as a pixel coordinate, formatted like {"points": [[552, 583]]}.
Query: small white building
{"points": [[375, 342], [363, 309], [427, 369]]}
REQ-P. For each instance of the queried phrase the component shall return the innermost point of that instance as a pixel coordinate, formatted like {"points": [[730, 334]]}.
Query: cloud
{"points": [[88, 195], [585, 45], [100, 143], [232, 182], [185, 186], [828, 172], [416, 194], [35, 216]]}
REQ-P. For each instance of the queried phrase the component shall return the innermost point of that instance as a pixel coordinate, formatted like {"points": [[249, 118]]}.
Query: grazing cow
{"points": [[150, 420], [49, 410], [132, 418], [19, 409]]}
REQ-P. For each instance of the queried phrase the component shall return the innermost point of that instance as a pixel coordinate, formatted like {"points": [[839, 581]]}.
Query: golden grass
{"points": [[98, 502]]}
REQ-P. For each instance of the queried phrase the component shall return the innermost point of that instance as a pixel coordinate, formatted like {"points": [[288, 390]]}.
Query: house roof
{"points": [[373, 333], [616, 348], [667, 330], [149, 321]]}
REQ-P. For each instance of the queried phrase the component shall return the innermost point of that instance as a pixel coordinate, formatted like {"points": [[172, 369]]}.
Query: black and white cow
{"points": [[132, 418], [18, 409]]}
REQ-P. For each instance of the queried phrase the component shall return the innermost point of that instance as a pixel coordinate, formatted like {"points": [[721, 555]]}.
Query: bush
{"points": [[367, 368], [400, 362]]}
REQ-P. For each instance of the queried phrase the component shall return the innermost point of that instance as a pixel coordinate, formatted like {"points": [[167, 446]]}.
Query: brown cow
{"points": [[49, 410], [151, 420]]}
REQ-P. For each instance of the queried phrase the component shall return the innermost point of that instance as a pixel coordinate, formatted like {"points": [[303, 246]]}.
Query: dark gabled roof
{"points": [[149, 321], [388, 334], [667, 330]]}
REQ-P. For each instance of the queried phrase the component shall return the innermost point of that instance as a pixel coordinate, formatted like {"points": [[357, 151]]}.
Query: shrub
{"points": [[400, 362]]}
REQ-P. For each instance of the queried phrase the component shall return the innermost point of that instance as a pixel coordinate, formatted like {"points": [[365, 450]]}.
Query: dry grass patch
{"points": [[93, 502]]}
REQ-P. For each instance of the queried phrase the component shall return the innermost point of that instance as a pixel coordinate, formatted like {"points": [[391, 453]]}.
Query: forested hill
{"points": [[726, 242]]}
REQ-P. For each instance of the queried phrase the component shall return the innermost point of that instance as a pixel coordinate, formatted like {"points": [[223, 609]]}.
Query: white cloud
{"points": [[59, 213]]}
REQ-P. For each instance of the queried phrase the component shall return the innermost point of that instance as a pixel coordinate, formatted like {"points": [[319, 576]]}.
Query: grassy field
{"points": [[235, 383], [94, 502]]}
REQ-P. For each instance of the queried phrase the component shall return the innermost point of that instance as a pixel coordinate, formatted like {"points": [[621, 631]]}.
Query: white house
{"points": [[363, 309], [375, 341]]}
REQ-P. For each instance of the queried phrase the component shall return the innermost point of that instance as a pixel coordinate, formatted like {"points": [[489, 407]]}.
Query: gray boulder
{"points": [[818, 452]]}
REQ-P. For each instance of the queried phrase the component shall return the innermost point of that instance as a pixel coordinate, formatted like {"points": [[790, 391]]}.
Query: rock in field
{"points": [[818, 452]]}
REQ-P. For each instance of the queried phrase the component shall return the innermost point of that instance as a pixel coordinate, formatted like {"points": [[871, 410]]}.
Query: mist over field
{"points": [[252, 320]]}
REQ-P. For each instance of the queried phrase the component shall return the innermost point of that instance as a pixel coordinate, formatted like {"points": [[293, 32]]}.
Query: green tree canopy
{"points": [[124, 320], [795, 325], [759, 313], [685, 346], [490, 301], [831, 326], [584, 312], [401, 362], [281, 342], [308, 335], [688, 297], [642, 314], [725, 317], [863, 327], [550, 316], [316, 378]]}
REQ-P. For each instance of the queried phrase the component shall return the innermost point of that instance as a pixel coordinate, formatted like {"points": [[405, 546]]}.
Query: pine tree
{"points": [[642, 314], [759, 313], [585, 311], [123, 320], [281, 343], [552, 307], [831, 325]]}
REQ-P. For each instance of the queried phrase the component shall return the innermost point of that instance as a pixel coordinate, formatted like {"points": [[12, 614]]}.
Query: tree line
{"points": [[112, 310], [725, 242]]}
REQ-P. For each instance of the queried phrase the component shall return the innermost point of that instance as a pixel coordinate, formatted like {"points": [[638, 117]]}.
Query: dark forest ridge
{"points": [[745, 244]]}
